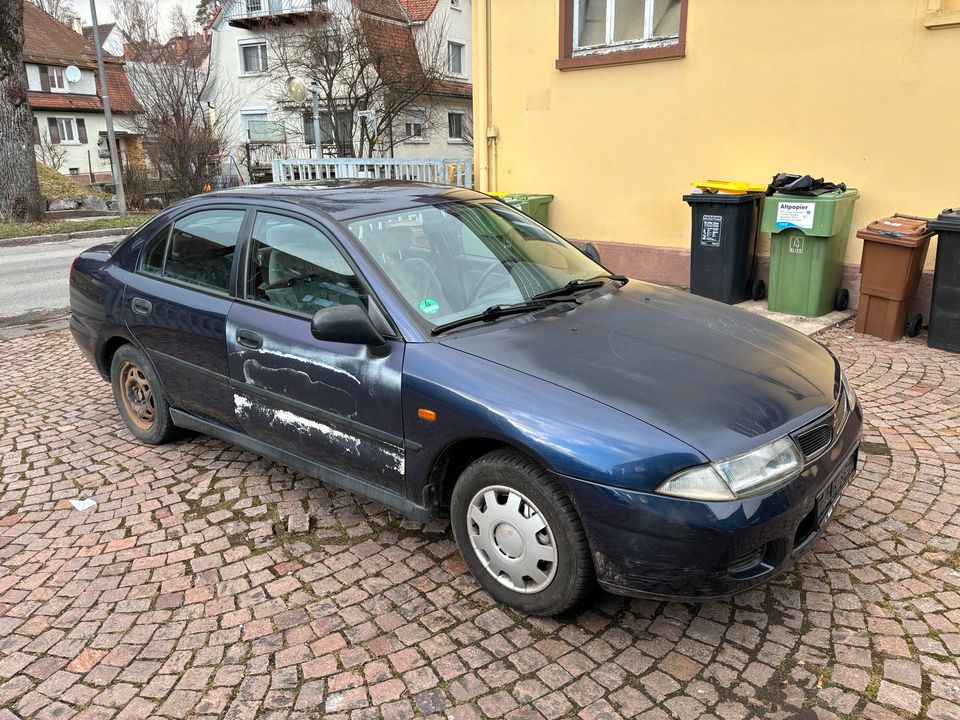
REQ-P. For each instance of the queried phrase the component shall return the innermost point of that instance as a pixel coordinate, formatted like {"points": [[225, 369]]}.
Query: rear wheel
{"points": [[137, 393], [758, 289], [520, 535]]}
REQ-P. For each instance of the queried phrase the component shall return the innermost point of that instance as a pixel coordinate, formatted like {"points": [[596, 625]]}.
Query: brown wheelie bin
{"points": [[894, 250]]}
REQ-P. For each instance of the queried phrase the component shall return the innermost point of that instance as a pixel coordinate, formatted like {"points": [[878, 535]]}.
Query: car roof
{"points": [[348, 199]]}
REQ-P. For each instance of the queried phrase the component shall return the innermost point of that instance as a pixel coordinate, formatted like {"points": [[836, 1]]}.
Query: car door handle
{"points": [[249, 339], [141, 306]]}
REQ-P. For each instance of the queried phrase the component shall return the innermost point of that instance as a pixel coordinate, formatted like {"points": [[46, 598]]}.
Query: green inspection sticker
{"points": [[429, 306]]}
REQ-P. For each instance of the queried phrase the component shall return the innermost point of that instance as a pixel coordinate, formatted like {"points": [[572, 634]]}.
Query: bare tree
{"points": [[367, 69], [50, 153], [20, 198], [62, 10], [174, 85]]}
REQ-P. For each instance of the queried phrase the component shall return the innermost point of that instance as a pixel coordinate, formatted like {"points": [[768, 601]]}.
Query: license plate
{"points": [[830, 495]]}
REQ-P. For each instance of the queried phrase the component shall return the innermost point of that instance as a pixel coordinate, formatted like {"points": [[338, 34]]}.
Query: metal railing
{"points": [[246, 9], [446, 171]]}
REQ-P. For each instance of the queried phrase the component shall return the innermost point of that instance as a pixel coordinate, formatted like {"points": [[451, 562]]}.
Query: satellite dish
{"points": [[72, 73], [297, 90]]}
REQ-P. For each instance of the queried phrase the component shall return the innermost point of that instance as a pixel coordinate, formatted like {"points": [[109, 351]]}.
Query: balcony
{"points": [[249, 14]]}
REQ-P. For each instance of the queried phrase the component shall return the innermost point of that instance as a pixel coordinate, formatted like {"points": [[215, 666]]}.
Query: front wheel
{"points": [[520, 535], [136, 391]]}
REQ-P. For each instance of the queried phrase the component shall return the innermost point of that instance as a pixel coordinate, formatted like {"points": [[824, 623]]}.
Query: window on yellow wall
{"points": [[606, 32]]}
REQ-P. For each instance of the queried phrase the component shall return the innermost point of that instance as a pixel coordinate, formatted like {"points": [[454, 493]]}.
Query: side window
{"points": [[296, 267], [151, 259], [201, 248]]}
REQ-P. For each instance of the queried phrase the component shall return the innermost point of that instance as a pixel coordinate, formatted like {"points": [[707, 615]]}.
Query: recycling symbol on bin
{"points": [[796, 244]]}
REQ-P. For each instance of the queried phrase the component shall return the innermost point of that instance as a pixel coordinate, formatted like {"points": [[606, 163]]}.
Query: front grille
{"points": [[814, 441]]}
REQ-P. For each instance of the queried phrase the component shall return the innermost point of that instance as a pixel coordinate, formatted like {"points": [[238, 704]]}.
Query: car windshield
{"points": [[458, 259]]}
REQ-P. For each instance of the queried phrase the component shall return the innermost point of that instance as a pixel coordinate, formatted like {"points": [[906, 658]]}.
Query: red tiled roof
{"points": [[103, 28], [122, 99], [391, 9], [393, 48], [47, 41], [397, 60], [65, 101], [453, 88], [419, 10]]}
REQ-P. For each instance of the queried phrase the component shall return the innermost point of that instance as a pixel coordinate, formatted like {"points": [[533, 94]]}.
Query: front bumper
{"points": [[651, 545]]}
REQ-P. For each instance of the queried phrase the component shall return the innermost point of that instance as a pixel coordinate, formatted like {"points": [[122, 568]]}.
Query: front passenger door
{"points": [[332, 403]]}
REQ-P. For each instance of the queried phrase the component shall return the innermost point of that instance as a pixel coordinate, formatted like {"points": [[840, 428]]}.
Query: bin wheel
{"points": [[914, 323], [758, 291], [842, 300]]}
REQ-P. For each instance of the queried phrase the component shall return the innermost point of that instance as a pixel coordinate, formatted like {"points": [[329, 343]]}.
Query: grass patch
{"points": [[10, 230]]}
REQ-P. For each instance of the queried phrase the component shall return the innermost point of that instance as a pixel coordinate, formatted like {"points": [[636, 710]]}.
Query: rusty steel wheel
{"points": [[139, 397]]}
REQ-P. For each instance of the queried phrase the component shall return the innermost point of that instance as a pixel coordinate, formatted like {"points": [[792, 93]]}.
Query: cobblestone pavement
{"points": [[173, 596]]}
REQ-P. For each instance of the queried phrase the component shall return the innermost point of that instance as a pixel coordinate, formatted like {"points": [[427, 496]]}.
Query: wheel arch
{"points": [[108, 350], [455, 457]]}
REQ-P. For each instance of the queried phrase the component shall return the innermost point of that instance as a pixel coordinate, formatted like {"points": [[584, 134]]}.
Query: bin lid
{"points": [[907, 232], [948, 220], [722, 198], [729, 186]]}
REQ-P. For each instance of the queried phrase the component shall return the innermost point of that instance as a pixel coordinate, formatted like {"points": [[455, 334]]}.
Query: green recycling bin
{"points": [[531, 204], [808, 241]]}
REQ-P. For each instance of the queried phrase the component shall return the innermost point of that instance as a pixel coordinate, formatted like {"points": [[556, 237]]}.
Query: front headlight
{"points": [[774, 464]]}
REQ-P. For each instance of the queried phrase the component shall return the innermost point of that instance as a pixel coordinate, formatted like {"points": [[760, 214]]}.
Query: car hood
{"points": [[720, 379]]}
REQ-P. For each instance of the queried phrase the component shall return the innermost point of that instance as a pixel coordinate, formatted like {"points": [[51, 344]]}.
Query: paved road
{"points": [[33, 279], [179, 595]]}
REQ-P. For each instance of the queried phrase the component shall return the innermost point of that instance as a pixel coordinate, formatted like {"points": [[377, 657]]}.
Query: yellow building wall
{"points": [[853, 90]]}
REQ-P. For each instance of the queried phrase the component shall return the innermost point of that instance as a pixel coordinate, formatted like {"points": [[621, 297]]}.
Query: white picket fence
{"points": [[446, 171]]}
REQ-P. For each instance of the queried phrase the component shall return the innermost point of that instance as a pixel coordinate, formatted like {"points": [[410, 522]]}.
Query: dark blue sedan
{"points": [[440, 352]]}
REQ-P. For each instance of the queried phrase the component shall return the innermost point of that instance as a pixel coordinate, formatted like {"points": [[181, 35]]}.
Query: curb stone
{"points": [[63, 237]]}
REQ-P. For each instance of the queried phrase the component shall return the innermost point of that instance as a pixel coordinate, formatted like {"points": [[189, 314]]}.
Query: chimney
{"points": [[77, 25]]}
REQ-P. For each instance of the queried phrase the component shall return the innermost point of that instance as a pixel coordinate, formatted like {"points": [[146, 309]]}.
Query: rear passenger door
{"points": [[332, 403], [176, 306]]}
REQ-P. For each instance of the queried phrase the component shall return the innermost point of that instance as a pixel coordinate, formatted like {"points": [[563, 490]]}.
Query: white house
{"points": [[111, 37], [265, 123], [64, 93]]}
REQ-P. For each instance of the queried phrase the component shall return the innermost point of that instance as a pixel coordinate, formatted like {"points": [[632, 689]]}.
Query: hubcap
{"points": [[512, 539], [137, 397]]}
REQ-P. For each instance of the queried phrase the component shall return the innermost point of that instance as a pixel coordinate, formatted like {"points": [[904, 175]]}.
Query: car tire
{"points": [[137, 393], [530, 512]]}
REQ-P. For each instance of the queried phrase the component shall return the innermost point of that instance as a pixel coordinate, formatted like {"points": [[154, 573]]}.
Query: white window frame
{"points": [[68, 122], [244, 122], [241, 64], [463, 53], [415, 116], [58, 81], [648, 39], [461, 113]]}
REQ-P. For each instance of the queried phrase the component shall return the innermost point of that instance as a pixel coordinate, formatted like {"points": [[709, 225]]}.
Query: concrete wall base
{"points": [[671, 266]]}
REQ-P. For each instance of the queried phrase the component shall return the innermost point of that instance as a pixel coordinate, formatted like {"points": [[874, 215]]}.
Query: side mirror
{"points": [[592, 252], [347, 324]]}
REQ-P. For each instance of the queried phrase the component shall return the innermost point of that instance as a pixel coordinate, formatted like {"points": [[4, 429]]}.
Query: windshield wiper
{"points": [[494, 312], [581, 284]]}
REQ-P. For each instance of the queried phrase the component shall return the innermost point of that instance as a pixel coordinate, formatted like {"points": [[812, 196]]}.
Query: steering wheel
{"points": [[502, 265]]}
